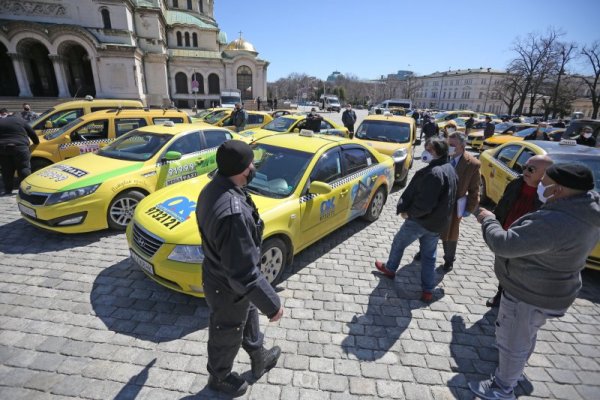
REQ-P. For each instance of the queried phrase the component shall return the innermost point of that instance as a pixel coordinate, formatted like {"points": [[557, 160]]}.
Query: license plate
{"points": [[27, 210], [143, 264]]}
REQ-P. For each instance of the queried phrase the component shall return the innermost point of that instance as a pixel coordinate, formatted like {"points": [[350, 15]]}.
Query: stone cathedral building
{"points": [[159, 51]]}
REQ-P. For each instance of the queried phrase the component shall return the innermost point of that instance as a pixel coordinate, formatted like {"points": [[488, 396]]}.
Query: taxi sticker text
{"points": [[172, 212], [327, 208], [54, 175]]}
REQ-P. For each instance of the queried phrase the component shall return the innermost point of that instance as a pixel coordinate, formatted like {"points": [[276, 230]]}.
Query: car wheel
{"points": [[483, 197], [272, 260], [121, 208], [39, 163], [376, 205], [402, 183]]}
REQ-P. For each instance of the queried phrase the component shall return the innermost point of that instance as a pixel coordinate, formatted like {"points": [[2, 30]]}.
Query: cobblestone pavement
{"points": [[78, 320]]}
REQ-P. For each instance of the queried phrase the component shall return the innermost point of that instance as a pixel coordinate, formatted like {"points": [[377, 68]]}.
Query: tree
{"points": [[591, 55], [565, 53], [509, 90]]}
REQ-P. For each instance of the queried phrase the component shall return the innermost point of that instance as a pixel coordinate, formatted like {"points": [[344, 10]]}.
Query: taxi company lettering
{"points": [[179, 207], [76, 172], [327, 208]]}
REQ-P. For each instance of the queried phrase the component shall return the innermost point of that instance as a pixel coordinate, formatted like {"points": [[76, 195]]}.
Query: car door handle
{"points": [[374, 178], [200, 161], [344, 192]]}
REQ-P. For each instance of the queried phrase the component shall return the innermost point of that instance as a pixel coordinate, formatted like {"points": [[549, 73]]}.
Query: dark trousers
{"points": [[350, 130], [14, 158], [233, 323], [449, 250]]}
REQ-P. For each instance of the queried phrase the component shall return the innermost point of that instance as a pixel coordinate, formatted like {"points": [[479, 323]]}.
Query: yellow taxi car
{"points": [[86, 133], [501, 165], [293, 123], [224, 118], [475, 138], [443, 117], [99, 190], [498, 140], [391, 135], [63, 113], [306, 186], [201, 116]]}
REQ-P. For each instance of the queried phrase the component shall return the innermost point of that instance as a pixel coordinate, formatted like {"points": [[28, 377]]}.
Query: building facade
{"points": [[159, 51]]}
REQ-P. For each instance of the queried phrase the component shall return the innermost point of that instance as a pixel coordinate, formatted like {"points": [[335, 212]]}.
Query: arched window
{"points": [[181, 85], [179, 42], [201, 6], [106, 18], [189, 4], [200, 79], [176, 3], [213, 84], [244, 82], [187, 39], [195, 39]]}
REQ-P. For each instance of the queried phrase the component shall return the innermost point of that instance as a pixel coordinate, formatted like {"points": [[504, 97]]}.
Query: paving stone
{"points": [[362, 386], [333, 383]]}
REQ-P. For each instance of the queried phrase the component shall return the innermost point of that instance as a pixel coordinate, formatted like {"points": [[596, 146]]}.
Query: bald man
{"points": [[518, 199]]}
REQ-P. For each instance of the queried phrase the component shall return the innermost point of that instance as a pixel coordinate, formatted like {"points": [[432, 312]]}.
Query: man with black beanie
{"points": [[234, 287], [538, 263]]}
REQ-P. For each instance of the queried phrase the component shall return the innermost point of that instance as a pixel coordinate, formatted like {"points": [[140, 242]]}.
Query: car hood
{"points": [[254, 134], [85, 170], [179, 201], [386, 148]]}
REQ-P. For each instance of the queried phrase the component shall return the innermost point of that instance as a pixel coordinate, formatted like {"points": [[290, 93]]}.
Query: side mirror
{"points": [[48, 125], [417, 142], [317, 187], [171, 156]]}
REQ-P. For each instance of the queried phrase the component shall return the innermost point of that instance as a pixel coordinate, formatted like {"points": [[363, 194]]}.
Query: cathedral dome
{"points": [[241, 44]]}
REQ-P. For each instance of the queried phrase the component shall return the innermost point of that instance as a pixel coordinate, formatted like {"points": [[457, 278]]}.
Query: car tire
{"points": [[483, 197], [121, 208], [402, 183], [273, 259], [39, 163], [376, 205]]}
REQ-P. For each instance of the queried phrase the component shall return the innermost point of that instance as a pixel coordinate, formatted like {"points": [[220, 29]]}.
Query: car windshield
{"points": [[42, 116], [60, 131], [502, 127], [592, 163], [216, 117], [440, 115], [278, 170], [281, 124], [135, 146], [230, 99], [384, 131]]}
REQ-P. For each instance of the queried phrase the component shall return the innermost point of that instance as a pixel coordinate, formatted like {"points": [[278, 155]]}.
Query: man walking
{"points": [[489, 129], [349, 119], [538, 264], [231, 232], [426, 205], [240, 117], [15, 155], [430, 128], [469, 125], [467, 193]]}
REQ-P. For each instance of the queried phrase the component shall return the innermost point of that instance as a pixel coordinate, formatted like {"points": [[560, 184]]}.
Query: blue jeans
{"points": [[408, 233]]}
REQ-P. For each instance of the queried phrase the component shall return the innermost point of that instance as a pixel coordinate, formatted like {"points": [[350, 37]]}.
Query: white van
{"points": [[392, 103]]}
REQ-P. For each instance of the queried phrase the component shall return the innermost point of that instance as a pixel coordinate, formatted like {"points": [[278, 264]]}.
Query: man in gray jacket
{"points": [[538, 263]]}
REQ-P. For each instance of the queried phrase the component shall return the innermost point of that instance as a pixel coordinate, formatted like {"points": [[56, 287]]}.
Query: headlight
{"points": [[187, 254], [399, 155], [69, 195]]}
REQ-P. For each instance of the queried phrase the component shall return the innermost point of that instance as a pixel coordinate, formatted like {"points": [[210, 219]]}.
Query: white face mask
{"points": [[541, 189], [451, 150], [587, 135], [450, 130], [426, 157]]}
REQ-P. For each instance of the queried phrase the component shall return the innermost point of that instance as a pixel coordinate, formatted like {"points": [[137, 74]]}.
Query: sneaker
{"points": [[233, 385], [264, 360], [489, 390], [381, 267], [448, 266], [426, 296]]}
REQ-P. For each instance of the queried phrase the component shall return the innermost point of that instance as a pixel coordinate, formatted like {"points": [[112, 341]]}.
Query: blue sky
{"points": [[373, 38]]}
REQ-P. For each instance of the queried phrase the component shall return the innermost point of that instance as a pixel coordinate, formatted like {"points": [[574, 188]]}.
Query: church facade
{"points": [[159, 51]]}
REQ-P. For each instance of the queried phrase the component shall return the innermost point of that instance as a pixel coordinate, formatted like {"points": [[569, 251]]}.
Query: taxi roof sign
{"points": [[306, 132], [169, 123], [568, 142]]}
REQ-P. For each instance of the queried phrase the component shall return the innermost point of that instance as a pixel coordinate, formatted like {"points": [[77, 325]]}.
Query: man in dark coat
{"points": [[313, 121], [489, 129], [586, 137], [426, 205], [239, 117], [430, 128], [469, 125], [15, 155], [349, 119], [234, 287]]}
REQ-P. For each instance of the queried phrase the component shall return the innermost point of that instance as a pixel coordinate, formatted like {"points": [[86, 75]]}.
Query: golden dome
{"points": [[241, 44]]}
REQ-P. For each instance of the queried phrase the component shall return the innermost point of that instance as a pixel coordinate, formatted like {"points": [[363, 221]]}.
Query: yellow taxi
{"points": [[224, 118], [293, 123], [87, 133], [63, 113], [445, 116], [99, 190], [201, 116], [306, 186], [501, 165], [475, 139], [391, 135], [498, 140]]}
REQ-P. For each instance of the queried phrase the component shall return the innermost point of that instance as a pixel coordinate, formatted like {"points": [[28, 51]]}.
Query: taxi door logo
{"points": [[179, 207], [327, 208]]}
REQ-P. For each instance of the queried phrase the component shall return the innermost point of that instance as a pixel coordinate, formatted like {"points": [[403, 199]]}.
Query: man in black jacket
{"points": [[430, 128], [586, 137], [349, 119], [313, 121], [426, 205], [489, 129], [14, 150], [234, 287]]}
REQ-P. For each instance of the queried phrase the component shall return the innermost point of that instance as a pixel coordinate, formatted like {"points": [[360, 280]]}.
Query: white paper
{"points": [[461, 204]]}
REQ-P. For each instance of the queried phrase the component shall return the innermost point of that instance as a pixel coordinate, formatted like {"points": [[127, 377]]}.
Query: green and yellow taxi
{"points": [[501, 165], [201, 115], [392, 135], [100, 190], [475, 139], [224, 118], [306, 186], [87, 133], [445, 116], [498, 140], [294, 123]]}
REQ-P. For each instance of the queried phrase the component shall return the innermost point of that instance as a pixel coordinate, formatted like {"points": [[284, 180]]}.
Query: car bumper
{"points": [[400, 170], [179, 276]]}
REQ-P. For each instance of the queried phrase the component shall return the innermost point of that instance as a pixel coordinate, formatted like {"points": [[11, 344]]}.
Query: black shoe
{"points": [[418, 256], [233, 385], [264, 360], [448, 266]]}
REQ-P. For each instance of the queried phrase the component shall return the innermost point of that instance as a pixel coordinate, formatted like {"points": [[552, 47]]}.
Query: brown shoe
{"points": [[426, 296], [386, 272]]}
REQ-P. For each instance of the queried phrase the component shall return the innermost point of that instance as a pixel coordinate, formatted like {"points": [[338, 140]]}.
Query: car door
{"points": [[522, 157], [86, 139], [211, 140], [500, 170], [189, 145], [359, 180]]}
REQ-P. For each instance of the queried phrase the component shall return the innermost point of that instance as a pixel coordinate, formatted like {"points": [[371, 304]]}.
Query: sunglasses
{"points": [[530, 168]]}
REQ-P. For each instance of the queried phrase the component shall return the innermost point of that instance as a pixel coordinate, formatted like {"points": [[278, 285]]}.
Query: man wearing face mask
{"points": [[426, 205], [538, 264], [234, 287], [586, 137], [449, 128], [349, 119]]}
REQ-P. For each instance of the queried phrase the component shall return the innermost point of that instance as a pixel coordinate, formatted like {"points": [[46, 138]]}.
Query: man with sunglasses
{"points": [[518, 199]]}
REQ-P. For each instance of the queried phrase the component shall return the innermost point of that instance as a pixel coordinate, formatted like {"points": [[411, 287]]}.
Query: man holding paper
{"points": [[467, 193]]}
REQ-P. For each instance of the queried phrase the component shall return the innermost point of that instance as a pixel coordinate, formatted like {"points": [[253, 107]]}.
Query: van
{"points": [[89, 132], [330, 103], [63, 113], [387, 105]]}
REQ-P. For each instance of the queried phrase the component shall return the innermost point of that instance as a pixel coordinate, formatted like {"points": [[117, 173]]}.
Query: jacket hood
{"points": [[584, 207]]}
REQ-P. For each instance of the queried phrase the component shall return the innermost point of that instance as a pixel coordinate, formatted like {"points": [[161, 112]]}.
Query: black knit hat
{"points": [[233, 157], [571, 175]]}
